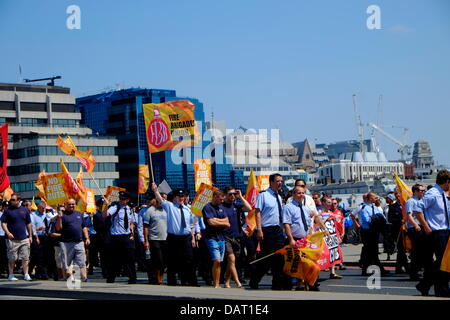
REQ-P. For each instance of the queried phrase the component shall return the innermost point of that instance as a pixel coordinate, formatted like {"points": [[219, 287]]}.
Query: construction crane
{"points": [[51, 83], [403, 149], [359, 125]]}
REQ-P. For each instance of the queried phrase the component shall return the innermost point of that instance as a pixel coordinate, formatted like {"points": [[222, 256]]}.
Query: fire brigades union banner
{"points": [[170, 125]]}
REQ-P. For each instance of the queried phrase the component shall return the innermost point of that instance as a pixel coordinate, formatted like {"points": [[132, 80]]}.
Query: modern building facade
{"points": [[423, 159], [36, 115], [119, 113]]}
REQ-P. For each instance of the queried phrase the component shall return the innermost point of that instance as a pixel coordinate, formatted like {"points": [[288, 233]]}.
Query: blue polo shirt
{"points": [[268, 205], [72, 226], [17, 220], [433, 208], [174, 219], [212, 232], [292, 215], [410, 207], [233, 211], [2, 232], [89, 223]]}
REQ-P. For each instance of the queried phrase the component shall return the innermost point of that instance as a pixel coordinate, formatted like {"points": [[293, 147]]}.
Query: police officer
{"points": [[39, 248], [370, 235], [180, 238], [121, 249], [268, 216], [433, 214], [415, 231]]}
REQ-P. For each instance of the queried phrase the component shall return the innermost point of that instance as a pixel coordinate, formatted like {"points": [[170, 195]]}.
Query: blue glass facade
{"points": [[120, 113]]}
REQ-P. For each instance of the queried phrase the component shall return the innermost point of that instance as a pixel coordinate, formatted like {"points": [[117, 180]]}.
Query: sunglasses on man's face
{"points": [[232, 193], [14, 199]]}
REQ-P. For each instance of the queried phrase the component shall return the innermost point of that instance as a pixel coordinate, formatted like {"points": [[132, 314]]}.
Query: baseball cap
{"points": [[178, 192], [124, 195]]}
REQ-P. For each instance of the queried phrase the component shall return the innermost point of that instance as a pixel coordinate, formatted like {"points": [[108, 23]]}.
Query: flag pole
{"points": [[257, 260], [98, 187], [151, 167]]}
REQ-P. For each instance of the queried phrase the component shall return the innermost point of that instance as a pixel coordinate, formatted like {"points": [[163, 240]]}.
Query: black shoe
{"points": [[384, 272], [254, 286], [110, 280], [132, 281], [414, 277], [313, 288], [422, 289]]}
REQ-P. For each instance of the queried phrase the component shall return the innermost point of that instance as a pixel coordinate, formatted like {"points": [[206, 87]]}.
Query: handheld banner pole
{"points": [[151, 167], [257, 260], [98, 187]]}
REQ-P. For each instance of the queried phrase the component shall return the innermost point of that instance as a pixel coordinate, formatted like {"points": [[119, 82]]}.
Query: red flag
{"points": [[250, 195], [4, 179]]}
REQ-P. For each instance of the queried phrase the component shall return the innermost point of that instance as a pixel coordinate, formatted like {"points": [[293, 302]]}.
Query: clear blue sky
{"points": [[263, 64]]}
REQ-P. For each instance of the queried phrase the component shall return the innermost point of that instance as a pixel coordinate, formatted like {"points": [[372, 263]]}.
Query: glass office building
{"points": [[119, 113]]}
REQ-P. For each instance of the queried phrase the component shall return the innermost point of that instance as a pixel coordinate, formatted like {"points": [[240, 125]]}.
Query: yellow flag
{"points": [[301, 261], [250, 195], [170, 125], [7, 193], [144, 177], [85, 157], [33, 205]]}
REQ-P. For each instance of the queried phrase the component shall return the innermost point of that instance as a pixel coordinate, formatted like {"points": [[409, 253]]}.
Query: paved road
{"points": [[353, 286]]}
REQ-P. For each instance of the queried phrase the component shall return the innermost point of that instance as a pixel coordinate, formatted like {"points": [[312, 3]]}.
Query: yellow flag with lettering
{"points": [[301, 261], [170, 125]]}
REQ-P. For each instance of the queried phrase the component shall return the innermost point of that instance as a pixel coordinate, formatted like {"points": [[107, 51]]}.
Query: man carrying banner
{"points": [[297, 218], [270, 234], [434, 215], [180, 238]]}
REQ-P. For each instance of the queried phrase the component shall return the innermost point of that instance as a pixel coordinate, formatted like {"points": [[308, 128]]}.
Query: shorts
{"points": [[58, 256], [18, 250], [73, 252], [216, 249], [233, 246]]}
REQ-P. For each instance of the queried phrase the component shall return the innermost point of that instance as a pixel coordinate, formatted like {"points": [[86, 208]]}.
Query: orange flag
{"points": [[144, 177], [405, 193], [40, 185], [7, 193], [71, 185], [301, 261], [85, 157], [445, 264], [170, 125], [250, 195]]}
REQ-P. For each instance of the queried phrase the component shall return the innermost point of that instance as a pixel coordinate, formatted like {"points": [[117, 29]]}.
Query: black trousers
{"points": [[435, 244], [39, 256], [369, 251], [417, 250], [180, 260], [158, 260], [274, 239], [120, 253]]}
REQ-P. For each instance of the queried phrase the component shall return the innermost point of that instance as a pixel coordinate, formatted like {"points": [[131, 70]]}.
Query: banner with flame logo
{"points": [[170, 125]]}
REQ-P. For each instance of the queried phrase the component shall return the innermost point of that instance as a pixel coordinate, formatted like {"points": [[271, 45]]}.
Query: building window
{"points": [[63, 107], [33, 106]]}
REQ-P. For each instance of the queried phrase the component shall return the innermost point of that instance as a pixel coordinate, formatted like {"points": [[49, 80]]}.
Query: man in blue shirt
{"points": [[415, 232], [234, 206], [270, 233], [180, 238], [370, 234], [72, 228], [216, 221], [433, 214], [39, 248], [121, 247], [16, 223]]}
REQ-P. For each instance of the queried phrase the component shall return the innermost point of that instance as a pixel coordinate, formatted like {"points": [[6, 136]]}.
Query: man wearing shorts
{"points": [[216, 221], [16, 223], [72, 228]]}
